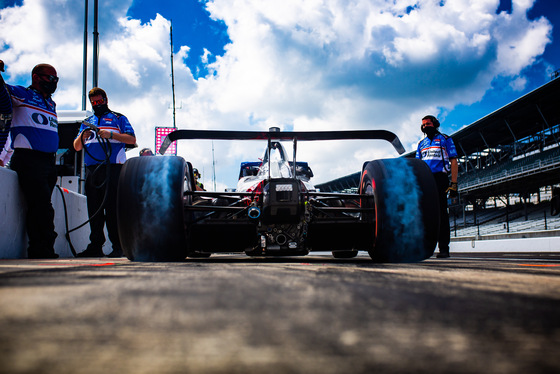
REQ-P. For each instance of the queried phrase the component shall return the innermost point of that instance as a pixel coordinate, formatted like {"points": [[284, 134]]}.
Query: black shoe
{"points": [[442, 255], [42, 255], [116, 253], [91, 251]]}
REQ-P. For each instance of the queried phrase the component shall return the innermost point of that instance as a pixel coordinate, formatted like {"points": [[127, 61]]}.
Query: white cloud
{"points": [[364, 64], [302, 65], [520, 48], [518, 83]]}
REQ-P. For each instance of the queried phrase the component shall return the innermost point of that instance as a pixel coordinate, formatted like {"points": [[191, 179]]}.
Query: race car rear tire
{"points": [[150, 208], [406, 218]]}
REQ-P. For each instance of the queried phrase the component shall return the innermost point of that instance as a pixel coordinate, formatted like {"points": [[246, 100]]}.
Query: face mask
{"points": [[430, 132], [48, 87], [99, 110]]}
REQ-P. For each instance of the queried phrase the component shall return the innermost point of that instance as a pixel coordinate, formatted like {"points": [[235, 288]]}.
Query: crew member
{"points": [[5, 113], [34, 139], [146, 152], [438, 151], [104, 156], [199, 186]]}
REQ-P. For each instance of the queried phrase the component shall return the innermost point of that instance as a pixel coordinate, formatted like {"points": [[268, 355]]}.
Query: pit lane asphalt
{"points": [[491, 313]]}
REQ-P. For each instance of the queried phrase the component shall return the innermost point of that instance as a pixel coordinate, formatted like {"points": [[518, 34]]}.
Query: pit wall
{"points": [[13, 237], [529, 243]]}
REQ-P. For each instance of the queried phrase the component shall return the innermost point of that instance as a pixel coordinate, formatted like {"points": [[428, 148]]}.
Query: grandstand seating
{"points": [[510, 167], [492, 221]]}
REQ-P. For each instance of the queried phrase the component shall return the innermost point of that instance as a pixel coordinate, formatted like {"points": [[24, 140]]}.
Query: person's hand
{"points": [[105, 134], [452, 190], [1, 65], [1, 163], [86, 133]]}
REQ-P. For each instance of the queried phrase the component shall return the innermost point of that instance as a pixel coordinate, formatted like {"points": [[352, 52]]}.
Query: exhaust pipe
{"points": [[281, 239], [254, 212]]}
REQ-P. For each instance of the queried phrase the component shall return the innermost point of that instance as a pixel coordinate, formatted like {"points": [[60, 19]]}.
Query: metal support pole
{"points": [[82, 181], [507, 212], [84, 73], [514, 137], [488, 147], [546, 122], [466, 156], [525, 209], [172, 73], [294, 157], [95, 45], [455, 221]]}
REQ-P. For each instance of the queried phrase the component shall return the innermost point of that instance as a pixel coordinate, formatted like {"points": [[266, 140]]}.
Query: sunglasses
{"points": [[51, 78], [98, 102]]}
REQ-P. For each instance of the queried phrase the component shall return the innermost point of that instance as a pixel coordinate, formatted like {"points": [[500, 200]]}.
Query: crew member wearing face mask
{"points": [[34, 138], [438, 151], [104, 156]]}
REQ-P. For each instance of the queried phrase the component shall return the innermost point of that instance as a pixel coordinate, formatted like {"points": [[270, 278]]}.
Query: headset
{"points": [[434, 121]]}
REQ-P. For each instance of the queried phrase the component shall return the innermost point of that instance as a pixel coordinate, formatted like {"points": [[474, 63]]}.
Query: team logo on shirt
{"points": [[431, 153], [53, 122], [40, 119]]}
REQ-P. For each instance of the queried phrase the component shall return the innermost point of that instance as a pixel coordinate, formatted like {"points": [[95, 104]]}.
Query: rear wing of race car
{"points": [[274, 135]]}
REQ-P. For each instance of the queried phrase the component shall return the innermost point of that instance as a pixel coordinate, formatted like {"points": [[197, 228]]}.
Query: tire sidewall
{"points": [[406, 209]]}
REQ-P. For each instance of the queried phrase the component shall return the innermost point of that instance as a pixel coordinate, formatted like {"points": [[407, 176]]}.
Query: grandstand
{"points": [[509, 161]]}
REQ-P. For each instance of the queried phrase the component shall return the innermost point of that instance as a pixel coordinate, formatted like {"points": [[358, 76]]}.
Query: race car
{"points": [[275, 210]]}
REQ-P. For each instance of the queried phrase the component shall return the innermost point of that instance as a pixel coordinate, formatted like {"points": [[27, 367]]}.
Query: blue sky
{"points": [[192, 26], [500, 93], [299, 65]]}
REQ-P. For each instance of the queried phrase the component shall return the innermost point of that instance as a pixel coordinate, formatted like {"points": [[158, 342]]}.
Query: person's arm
{"points": [[123, 138], [126, 134], [78, 144], [5, 99], [454, 170]]}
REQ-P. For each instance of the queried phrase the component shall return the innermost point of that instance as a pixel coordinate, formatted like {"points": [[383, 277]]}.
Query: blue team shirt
{"points": [[34, 121], [437, 152], [111, 121]]}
